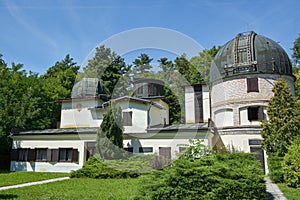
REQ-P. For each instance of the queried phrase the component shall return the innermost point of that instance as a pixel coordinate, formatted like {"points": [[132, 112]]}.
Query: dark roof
{"points": [[60, 131], [250, 53], [180, 127], [88, 87]]}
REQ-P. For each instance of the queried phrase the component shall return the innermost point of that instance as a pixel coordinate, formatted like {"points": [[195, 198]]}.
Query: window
{"points": [[181, 149], [129, 149], [255, 113], [65, 155], [41, 155], [252, 85], [145, 149], [22, 154], [127, 118]]}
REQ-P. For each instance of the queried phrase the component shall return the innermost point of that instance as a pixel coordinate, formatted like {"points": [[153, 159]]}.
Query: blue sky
{"points": [[39, 33]]}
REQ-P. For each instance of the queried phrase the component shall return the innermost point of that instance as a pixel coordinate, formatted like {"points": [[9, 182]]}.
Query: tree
{"points": [[108, 67], [296, 51], [141, 65], [110, 134], [283, 124], [58, 82]]}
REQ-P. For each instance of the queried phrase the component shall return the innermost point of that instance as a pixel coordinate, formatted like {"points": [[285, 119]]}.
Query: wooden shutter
{"points": [[260, 114], [14, 154], [127, 118], [31, 155], [165, 152], [75, 155], [252, 85], [198, 103], [55, 155], [49, 154]]}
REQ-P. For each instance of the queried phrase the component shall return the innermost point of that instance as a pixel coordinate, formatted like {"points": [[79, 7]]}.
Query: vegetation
{"points": [[289, 193], [12, 178], [283, 124], [110, 134], [77, 189], [275, 168], [291, 165]]}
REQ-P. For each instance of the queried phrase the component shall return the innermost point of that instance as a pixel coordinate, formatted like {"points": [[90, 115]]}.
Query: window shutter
{"points": [[260, 113], [49, 154], [127, 118], [75, 155], [165, 151], [31, 155], [252, 85], [55, 155], [14, 154]]}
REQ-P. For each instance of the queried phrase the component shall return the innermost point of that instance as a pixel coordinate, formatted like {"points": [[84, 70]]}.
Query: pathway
{"points": [[33, 183], [273, 191]]}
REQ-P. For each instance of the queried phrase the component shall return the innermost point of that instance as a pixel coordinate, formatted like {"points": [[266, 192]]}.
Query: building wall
{"points": [[49, 144], [81, 113]]}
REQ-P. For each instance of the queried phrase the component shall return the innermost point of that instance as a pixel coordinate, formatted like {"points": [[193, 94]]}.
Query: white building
{"points": [[225, 114]]}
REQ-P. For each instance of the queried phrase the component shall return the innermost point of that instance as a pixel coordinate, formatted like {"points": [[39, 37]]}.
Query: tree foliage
{"points": [[291, 165], [110, 134], [142, 65], [283, 124], [108, 67], [296, 51]]}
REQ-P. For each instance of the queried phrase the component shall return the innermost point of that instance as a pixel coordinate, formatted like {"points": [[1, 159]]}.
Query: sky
{"points": [[40, 33]]}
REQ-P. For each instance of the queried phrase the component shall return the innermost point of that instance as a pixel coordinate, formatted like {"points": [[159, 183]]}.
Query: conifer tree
{"points": [[283, 124], [110, 134]]}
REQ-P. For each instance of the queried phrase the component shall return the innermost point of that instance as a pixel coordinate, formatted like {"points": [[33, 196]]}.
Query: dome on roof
{"points": [[250, 53], [89, 87]]}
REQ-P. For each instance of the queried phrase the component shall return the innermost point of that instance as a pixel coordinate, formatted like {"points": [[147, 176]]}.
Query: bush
{"points": [[291, 165], [275, 168], [214, 176], [93, 168]]}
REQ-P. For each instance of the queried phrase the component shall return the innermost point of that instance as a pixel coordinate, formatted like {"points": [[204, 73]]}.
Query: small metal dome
{"points": [[249, 53], [89, 87]]}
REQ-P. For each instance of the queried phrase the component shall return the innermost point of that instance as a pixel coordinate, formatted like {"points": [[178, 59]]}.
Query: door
{"points": [[259, 156]]}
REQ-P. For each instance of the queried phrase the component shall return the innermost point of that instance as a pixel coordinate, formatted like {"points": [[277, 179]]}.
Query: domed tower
{"points": [[241, 79]]}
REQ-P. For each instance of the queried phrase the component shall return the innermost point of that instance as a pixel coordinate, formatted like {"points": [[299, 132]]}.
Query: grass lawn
{"points": [[76, 188], [12, 178], [289, 193]]}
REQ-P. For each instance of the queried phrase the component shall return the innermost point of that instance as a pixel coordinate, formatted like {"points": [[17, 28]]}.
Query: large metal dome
{"points": [[250, 53]]}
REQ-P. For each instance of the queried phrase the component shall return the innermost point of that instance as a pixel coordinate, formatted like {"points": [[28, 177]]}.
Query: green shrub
{"points": [[93, 168], [291, 165], [275, 168], [214, 176]]}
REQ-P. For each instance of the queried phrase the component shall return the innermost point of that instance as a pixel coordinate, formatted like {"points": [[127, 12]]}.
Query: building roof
{"points": [[180, 127], [59, 131], [250, 53], [139, 100], [88, 87]]}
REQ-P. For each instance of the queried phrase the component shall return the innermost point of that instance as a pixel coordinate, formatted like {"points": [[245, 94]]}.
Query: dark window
{"points": [[53, 155], [65, 155], [22, 154], [198, 103], [145, 149], [41, 155], [252, 85], [127, 118], [254, 142], [255, 113], [129, 149]]}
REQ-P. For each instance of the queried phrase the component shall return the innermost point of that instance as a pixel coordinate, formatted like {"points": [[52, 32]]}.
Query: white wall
{"points": [[244, 117], [49, 166], [223, 118], [189, 97], [78, 113], [206, 103]]}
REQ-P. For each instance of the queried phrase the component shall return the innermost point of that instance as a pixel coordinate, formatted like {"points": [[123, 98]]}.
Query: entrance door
{"points": [[259, 155]]}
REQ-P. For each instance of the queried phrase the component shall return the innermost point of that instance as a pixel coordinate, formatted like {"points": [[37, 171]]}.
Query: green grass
{"points": [[289, 193], [12, 178], [80, 189]]}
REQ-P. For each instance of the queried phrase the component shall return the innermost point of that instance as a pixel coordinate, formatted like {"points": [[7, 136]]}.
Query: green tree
{"points": [[110, 134], [283, 124], [58, 82], [108, 67], [291, 165], [142, 64], [296, 51]]}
